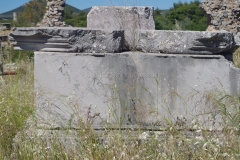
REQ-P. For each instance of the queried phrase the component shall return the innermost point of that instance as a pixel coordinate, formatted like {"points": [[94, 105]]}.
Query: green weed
{"points": [[236, 58]]}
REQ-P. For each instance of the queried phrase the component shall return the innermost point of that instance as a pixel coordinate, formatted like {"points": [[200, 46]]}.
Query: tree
{"points": [[161, 22], [68, 13], [32, 14], [186, 16], [75, 19]]}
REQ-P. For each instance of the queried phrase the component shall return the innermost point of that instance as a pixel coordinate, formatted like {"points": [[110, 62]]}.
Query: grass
{"points": [[236, 57], [16, 106]]}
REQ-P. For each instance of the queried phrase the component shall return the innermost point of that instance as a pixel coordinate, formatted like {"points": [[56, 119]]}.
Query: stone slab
{"points": [[185, 42], [128, 89], [125, 18], [67, 39], [112, 41]]}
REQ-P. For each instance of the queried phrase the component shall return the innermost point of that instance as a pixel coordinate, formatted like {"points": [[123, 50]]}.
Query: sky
{"points": [[7, 5]]}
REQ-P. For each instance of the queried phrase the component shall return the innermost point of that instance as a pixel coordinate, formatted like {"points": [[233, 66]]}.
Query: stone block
{"points": [[129, 89], [125, 18], [67, 39], [185, 42]]}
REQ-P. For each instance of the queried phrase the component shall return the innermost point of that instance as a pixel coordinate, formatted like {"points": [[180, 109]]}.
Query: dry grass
{"points": [[170, 144]]}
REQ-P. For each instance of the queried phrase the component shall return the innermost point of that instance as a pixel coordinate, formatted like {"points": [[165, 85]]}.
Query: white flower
{"points": [[144, 136], [225, 155]]}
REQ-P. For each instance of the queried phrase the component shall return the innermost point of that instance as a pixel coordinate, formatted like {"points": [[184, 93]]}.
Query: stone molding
{"points": [[186, 42], [57, 39], [112, 41]]}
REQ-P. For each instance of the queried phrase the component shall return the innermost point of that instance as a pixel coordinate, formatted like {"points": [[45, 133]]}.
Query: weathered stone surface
{"points": [[67, 39], [222, 14], [185, 42], [54, 14], [237, 39], [129, 19], [130, 88], [107, 41]]}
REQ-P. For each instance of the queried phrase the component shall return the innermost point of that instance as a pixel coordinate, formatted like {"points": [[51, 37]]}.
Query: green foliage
{"points": [[75, 19], [16, 103], [35, 10], [32, 14], [11, 55], [7, 21], [161, 21], [187, 15]]}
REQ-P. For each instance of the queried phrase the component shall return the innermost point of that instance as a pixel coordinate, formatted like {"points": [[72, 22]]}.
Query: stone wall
{"points": [[54, 14], [222, 14]]}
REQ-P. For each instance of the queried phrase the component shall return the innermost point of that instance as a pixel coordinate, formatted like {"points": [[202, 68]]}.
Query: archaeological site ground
{"points": [[119, 89]]}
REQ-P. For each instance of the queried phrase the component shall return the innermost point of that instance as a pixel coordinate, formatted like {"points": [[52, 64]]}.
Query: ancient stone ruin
{"points": [[54, 14], [129, 19], [222, 14], [87, 74]]}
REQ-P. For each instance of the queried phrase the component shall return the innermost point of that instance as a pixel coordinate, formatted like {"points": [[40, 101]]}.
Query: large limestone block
{"points": [[67, 39], [127, 89], [129, 19], [185, 42]]}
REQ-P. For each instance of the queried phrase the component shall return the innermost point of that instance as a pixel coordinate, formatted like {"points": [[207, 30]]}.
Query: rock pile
{"points": [[222, 14], [54, 14]]}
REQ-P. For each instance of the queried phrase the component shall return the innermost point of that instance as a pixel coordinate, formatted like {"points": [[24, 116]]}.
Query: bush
{"points": [[189, 16]]}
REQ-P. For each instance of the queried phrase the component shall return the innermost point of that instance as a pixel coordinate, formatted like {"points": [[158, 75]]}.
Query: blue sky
{"points": [[7, 5]]}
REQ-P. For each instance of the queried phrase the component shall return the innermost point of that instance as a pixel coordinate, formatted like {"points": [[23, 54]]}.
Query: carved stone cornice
{"points": [[62, 39]]}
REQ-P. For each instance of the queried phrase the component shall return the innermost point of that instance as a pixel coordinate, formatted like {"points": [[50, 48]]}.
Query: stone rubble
{"points": [[222, 14], [54, 14]]}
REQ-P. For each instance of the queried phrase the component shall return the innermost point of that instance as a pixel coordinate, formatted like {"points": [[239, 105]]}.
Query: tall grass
{"points": [[16, 102]]}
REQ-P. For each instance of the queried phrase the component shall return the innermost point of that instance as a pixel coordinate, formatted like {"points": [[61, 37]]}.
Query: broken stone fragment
{"points": [[185, 42]]}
